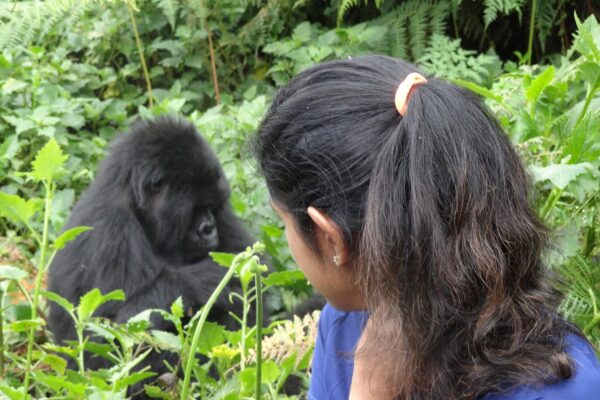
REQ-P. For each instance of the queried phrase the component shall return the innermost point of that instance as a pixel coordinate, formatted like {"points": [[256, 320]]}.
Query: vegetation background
{"points": [[73, 73]]}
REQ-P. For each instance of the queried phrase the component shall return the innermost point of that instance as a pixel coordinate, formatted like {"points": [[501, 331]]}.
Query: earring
{"points": [[336, 260]]}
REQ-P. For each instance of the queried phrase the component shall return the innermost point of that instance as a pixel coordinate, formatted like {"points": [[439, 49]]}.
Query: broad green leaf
{"points": [[58, 364], [223, 259], [49, 162], [69, 235], [590, 71], [94, 299], [284, 278], [538, 84], [587, 40], [211, 336], [24, 325], [13, 394], [167, 340], [58, 299], [17, 209], [560, 174], [12, 273], [270, 372], [59, 384], [9, 147], [132, 379]]}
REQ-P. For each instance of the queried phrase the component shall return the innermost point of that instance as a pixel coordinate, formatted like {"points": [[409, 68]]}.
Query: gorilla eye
{"points": [[155, 186]]}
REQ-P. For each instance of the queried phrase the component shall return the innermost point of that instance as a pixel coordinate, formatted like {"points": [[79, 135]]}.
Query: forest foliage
{"points": [[74, 73]]}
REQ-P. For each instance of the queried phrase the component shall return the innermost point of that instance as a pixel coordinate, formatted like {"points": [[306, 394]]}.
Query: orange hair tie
{"points": [[405, 90]]}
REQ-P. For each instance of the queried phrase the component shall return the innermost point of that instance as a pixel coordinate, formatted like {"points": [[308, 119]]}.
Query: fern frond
{"points": [[547, 14], [170, 8], [36, 18], [345, 5], [505, 7], [411, 25]]}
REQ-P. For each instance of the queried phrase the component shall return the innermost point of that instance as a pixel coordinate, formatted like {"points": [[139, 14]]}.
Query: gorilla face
{"points": [[178, 203]]}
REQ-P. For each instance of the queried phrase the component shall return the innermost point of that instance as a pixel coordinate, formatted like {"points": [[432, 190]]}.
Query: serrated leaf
{"points": [[177, 308], [284, 278], [13, 394], [223, 259], [58, 364], [538, 84], [58, 299], [94, 299], [167, 340], [69, 235], [17, 209], [132, 379], [12, 273], [560, 174], [49, 162], [211, 336]]}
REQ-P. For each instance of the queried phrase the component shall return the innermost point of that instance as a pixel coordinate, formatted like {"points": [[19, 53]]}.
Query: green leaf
{"points": [[177, 308], [540, 82], [9, 147], [94, 299], [24, 325], [560, 174], [211, 336], [12, 273], [69, 235], [480, 90], [58, 299], [49, 162], [58, 364], [167, 340], [13, 394], [223, 259], [17, 209], [590, 71], [132, 379], [270, 372], [284, 278]]}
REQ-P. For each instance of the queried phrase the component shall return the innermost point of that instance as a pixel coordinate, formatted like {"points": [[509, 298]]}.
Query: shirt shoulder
{"points": [[332, 364]]}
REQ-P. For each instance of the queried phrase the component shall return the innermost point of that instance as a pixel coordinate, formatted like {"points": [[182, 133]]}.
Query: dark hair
{"points": [[435, 208]]}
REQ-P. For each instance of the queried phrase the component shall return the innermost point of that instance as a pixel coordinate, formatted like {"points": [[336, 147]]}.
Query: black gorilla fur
{"points": [[158, 205]]}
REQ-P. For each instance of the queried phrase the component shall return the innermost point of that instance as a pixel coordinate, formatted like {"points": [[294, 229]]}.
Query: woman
{"points": [[403, 198]]}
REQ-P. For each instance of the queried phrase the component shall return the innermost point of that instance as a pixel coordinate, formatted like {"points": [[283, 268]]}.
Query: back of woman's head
{"points": [[435, 210]]}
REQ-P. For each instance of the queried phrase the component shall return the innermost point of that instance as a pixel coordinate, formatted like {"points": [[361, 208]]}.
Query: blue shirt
{"points": [[339, 332]]}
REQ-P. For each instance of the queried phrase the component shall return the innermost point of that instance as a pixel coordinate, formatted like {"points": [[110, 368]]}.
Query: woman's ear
{"points": [[330, 236]]}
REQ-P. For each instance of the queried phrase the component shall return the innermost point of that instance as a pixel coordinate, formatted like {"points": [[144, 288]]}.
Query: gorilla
{"points": [[158, 206]]}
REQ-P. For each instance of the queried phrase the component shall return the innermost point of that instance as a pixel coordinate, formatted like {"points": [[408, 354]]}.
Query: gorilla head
{"points": [[175, 185]]}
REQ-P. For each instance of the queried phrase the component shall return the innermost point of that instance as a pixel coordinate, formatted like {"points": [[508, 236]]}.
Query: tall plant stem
{"points": [[205, 310], [531, 31], [213, 63], [259, 324], [38, 284], [140, 49]]}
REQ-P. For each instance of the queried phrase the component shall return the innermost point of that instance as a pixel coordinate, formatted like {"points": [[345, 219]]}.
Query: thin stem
{"points": [[244, 323], [140, 49], [205, 310], [551, 201], [531, 31], [213, 64], [586, 105], [38, 282], [259, 323]]}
